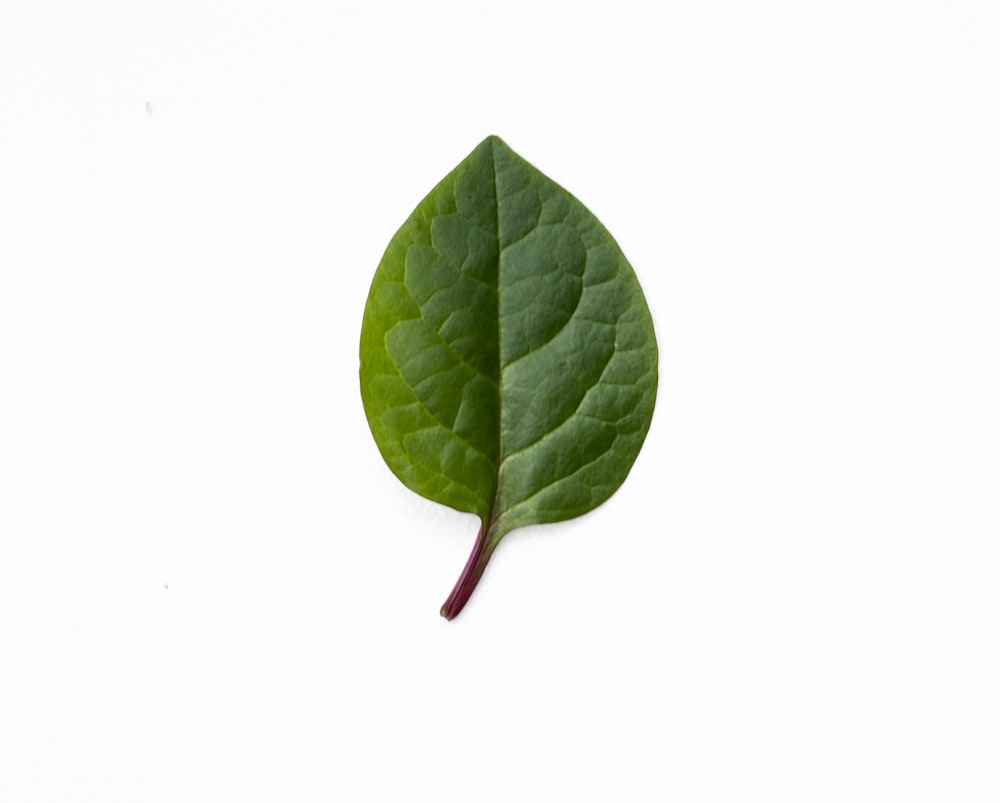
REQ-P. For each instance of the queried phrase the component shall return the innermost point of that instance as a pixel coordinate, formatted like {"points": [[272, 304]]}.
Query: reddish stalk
{"points": [[469, 578]]}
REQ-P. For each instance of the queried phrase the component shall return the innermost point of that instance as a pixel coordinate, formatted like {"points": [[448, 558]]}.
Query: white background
{"points": [[211, 587]]}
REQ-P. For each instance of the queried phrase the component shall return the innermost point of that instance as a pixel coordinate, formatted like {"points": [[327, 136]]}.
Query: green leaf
{"points": [[508, 361]]}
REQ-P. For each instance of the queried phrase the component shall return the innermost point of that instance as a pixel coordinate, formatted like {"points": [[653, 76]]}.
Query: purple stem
{"points": [[467, 582]]}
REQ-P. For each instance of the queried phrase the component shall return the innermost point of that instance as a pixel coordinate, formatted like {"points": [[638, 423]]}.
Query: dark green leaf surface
{"points": [[508, 361]]}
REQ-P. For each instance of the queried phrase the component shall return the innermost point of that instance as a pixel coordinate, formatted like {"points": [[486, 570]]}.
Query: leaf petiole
{"points": [[469, 578]]}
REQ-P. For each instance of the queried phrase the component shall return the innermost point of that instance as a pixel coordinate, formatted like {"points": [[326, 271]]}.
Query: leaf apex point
{"points": [[493, 140]]}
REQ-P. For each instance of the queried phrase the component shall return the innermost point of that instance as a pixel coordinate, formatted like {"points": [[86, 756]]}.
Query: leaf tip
{"points": [[493, 142]]}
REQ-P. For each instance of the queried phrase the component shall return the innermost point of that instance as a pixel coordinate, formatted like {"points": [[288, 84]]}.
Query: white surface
{"points": [[212, 589]]}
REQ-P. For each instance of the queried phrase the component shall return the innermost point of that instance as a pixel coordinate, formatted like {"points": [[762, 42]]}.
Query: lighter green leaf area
{"points": [[508, 361]]}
